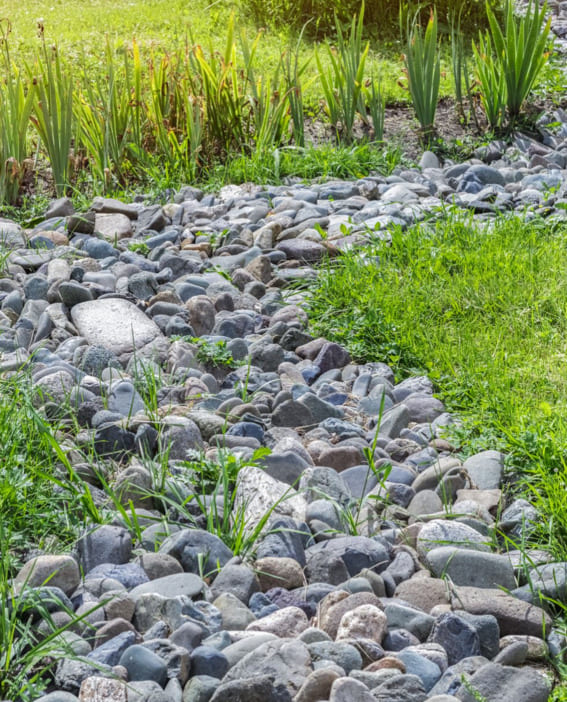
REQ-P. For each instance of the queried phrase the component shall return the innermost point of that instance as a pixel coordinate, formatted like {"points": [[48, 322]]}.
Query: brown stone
{"points": [[386, 662], [317, 686], [158, 565], [340, 457], [423, 593], [112, 628], [279, 572]]}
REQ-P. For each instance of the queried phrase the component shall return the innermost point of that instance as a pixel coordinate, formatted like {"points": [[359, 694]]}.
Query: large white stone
{"points": [[115, 324], [257, 493]]}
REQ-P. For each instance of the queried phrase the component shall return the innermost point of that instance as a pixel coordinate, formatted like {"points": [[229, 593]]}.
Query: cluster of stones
{"points": [[394, 581]]}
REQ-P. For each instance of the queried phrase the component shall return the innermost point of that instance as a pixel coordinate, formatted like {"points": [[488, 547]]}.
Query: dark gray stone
{"points": [[206, 660], [109, 653], [258, 689], [343, 654], [459, 638], [505, 684], [106, 544], [401, 688], [357, 552], [142, 664], [196, 549]]}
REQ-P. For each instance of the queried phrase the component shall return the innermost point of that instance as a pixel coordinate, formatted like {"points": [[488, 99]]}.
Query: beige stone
{"points": [[97, 689], [288, 622], [424, 593], [363, 622], [54, 571], [113, 227], [333, 607]]}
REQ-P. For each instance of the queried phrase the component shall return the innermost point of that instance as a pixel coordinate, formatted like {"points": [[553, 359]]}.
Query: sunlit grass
{"points": [[481, 308]]}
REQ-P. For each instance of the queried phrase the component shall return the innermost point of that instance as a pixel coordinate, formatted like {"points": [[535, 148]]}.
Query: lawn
{"points": [[80, 29]]}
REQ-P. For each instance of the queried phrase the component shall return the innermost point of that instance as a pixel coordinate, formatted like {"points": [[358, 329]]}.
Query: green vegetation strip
{"points": [[480, 307]]}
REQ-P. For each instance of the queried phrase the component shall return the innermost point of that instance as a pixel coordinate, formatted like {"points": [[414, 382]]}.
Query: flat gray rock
{"points": [[287, 661], [499, 683], [443, 532], [474, 568], [186, 584], [514, 616]]}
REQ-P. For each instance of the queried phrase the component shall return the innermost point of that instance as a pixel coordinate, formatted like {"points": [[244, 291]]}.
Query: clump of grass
{"points": [[324, 161], [36, 509], [481, 309], [210, 490], [215, 353]]}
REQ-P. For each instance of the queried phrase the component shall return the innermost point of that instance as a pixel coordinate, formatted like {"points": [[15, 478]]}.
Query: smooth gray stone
{"points": [[197, 549], [485, 469], [505, 684], [340, 652], [401, 688], [186, 584], [427, 671], [143, 664], [413, 620], [474, 568], [357, 553]]}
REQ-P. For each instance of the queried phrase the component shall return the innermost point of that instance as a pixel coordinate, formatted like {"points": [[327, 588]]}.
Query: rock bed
{"points": [[365, 584]]}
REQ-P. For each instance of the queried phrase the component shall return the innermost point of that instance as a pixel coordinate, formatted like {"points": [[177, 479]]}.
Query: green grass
{"points": [[35, 502], [482, 308], [75, 26]]}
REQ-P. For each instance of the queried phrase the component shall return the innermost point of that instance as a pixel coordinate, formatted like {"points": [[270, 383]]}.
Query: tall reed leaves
{"points": [[108, 118], [423, 68], [520, 50], [492, 83], [220, 81], [15, 108], [509, 59], [293, 72], [460, 67], [53, 113], [343, 88]]}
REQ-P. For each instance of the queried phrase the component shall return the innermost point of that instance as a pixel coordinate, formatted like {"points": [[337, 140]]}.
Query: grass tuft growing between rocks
{"points": [[481, 308], [35, 500]]}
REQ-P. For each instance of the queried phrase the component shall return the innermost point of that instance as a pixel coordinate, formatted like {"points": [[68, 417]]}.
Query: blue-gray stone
{"points": [[339, 652], [143, 664], [99, 249], [197, 550], [357, 552], [111, 652], [128, 574], [283, 541], [206, 660], [426, 670]]}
